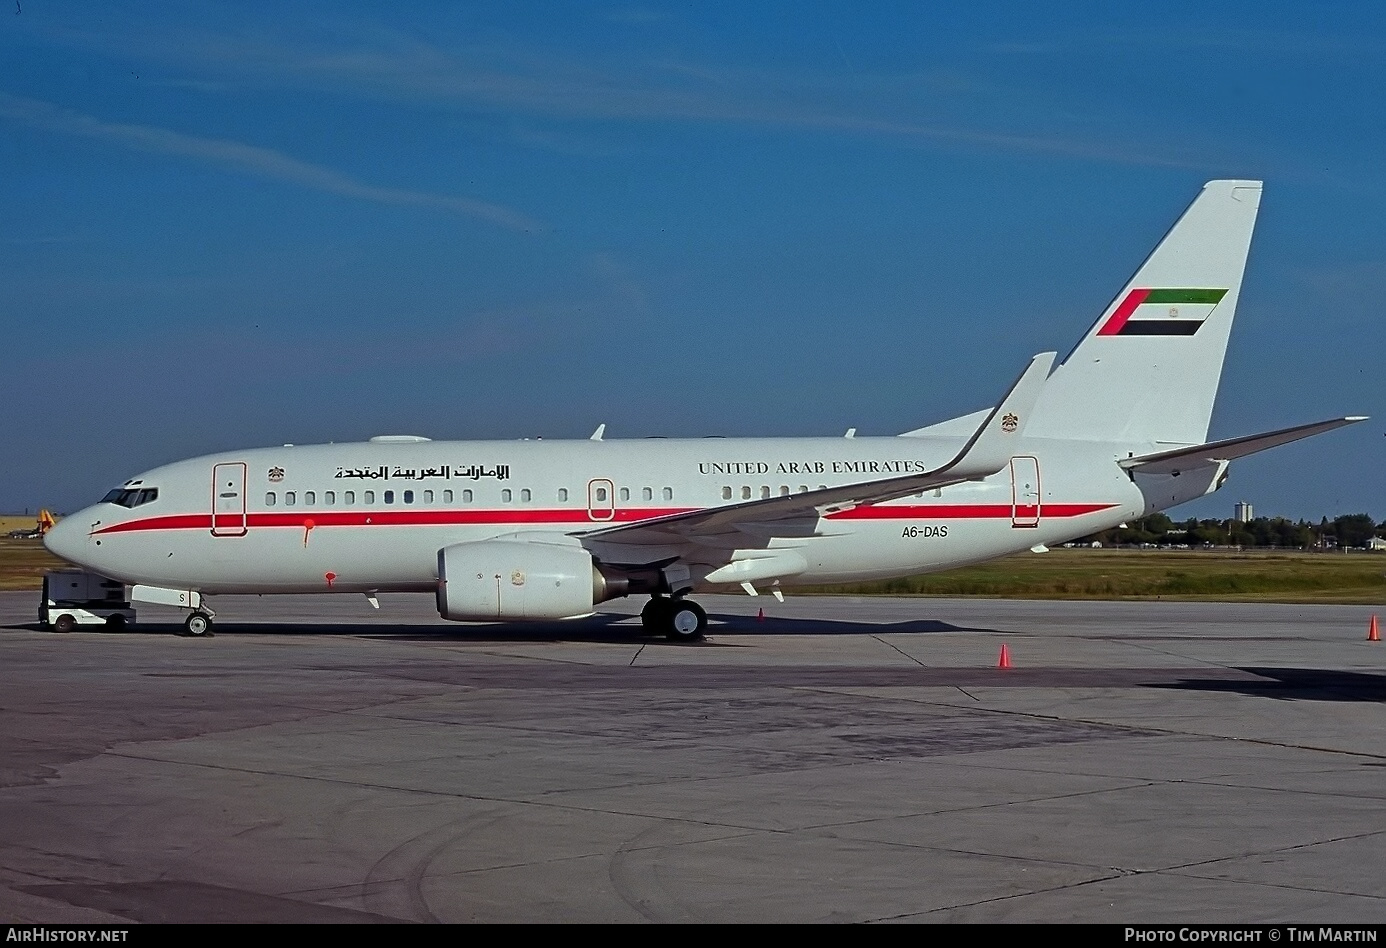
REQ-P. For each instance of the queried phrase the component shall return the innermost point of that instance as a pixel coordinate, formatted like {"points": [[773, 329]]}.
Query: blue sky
{"points": [[234, 225]]}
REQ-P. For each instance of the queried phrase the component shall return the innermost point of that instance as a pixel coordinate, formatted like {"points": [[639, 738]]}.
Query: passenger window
{"points": [[389, 497], [601, 495], [563, 493], [349, 497], [409, 497], [745, 493], [505, 495], [466, 496], [668, 493], [269, 499], [625, 493], [368, 497], [803, 488], [329, 497], [309, 497], [726, 493], [289, 498], [525, 495], [784, 491], [764, 493], [428, 496]]}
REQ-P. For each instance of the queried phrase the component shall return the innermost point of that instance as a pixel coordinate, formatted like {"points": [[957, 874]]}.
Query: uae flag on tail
{"points": [[1161, 312]]}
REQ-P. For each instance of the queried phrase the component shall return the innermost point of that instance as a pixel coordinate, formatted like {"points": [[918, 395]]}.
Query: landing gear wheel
{"points": [[655, 616], [198, 625], [64, 623], [115, 623], [686, 621]]}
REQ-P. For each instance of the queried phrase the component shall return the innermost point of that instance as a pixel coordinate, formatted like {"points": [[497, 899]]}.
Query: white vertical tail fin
{"points": [[1148, 370]]}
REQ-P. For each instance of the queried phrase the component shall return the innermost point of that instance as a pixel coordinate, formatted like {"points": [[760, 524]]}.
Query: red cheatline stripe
{"points": [[178, 522], [1123, 312], [556, 517], [390, 518]]}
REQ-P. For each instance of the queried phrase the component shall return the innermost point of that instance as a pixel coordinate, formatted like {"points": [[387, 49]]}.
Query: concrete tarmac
{"points": [[853, 760]]}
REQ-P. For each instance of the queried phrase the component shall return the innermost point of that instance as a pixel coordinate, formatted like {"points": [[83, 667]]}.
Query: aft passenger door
{"points": [[1025, 492], [228, 500]]}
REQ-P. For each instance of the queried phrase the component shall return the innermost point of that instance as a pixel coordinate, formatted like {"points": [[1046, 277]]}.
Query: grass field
{"points": [[1251, 576], [23, 562], [1059, 574]]}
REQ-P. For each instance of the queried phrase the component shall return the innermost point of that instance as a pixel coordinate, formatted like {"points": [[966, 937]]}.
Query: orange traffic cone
{"points": [[1372, 634], [1005, 661], [760, 615]]}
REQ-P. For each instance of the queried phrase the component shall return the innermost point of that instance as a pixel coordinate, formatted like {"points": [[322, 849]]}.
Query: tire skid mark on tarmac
{"points": [[394, 884], [638, 876]]}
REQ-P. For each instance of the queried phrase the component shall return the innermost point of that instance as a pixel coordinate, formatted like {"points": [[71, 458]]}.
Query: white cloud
{"points": [[371, 61], [249, 159]]}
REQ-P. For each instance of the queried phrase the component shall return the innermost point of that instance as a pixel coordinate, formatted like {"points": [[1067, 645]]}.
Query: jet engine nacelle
{"points": [[517, 579]]}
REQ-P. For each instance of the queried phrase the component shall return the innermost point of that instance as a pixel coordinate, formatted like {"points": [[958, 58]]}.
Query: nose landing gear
{"points": [[198, 624]]}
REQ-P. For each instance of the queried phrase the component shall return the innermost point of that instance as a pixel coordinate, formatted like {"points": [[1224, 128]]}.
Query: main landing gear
{"points": [[681, 620]]}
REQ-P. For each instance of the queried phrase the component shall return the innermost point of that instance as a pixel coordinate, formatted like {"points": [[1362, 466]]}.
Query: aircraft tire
{"points": [[686, 621], [198, 625], [655, 616], [64, 623], [115, 623]]}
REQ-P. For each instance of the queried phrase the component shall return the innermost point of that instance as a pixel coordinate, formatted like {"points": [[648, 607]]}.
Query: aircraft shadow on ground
{"points": [[1294, 684], [600, 628]]}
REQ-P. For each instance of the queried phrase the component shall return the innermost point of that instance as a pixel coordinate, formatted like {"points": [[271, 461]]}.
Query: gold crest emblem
{"points": [[276, 474], [1009, 422], [517, 578]]}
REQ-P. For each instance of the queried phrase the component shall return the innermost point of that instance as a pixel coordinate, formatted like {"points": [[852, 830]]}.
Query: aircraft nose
{"points": [[67, 539]]}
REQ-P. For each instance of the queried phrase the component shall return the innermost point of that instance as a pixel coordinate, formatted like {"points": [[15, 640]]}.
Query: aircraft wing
{"points": [[1183, 459], [985, 453]]}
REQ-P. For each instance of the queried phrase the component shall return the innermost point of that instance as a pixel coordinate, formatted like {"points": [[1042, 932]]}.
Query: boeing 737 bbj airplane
{"points": [[509, 530]]}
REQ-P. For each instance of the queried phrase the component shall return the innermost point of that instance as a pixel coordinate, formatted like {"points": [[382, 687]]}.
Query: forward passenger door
{"points": [[228, 500]]}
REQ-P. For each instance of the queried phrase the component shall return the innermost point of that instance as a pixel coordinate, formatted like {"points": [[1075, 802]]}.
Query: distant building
{"points": [[1242, 513]]}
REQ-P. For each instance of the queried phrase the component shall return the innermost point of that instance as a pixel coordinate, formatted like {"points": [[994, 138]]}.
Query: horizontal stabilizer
{"points": [[1183, 459]]}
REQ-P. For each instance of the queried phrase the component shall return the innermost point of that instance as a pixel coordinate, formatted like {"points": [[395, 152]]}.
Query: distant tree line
{"points": [[1348, 530]]}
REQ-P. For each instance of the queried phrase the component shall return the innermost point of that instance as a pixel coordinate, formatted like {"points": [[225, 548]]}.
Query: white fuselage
{"points": [[371, 517]]}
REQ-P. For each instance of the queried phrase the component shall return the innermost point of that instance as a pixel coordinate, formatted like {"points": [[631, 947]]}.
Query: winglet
{"points": [[989, 448]]}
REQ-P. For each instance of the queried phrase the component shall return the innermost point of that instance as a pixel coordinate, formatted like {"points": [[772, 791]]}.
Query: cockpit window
{"points": [[131, 497]]}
